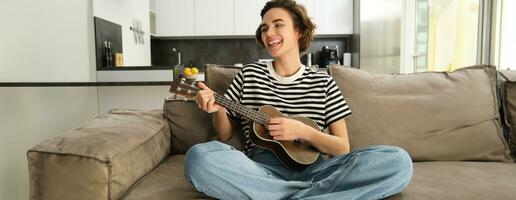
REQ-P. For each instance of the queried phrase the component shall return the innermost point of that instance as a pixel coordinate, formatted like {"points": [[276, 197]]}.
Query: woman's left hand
{"points": [[281, 128]]}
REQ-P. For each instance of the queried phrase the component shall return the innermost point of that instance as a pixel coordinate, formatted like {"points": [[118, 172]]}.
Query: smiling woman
{"points": [[286, 86], [304, 23]]}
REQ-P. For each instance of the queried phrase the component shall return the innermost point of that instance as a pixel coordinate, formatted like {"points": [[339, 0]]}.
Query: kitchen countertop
{"points": [[136, 68]]}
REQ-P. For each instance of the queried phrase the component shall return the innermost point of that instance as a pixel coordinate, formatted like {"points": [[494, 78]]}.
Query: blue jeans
{"points": [[220, 171]]}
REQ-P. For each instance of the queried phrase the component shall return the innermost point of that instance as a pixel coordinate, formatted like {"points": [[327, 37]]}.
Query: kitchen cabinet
{"points": [[214, 17], [333, 16], [242, 17], [247, 16], [175, 17]]}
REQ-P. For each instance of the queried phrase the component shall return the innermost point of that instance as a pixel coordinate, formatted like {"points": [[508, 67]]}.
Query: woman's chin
{"points": [[273, 53]]}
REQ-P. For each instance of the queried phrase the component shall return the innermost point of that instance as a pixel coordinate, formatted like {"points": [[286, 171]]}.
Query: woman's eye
{"points": [[279, 25]]}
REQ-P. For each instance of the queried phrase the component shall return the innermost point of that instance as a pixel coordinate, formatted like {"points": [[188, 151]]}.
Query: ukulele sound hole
{"points": [[297, 142]]}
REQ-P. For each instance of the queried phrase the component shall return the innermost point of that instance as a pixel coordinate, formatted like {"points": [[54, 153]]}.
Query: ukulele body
{"points": [[293, 154]]}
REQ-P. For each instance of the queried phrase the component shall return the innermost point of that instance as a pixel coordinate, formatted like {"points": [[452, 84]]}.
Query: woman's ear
{"points": [[298, 33]]}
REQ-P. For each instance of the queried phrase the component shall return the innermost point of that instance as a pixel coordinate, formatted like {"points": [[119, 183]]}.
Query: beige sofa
{"points": [[450, 123]]}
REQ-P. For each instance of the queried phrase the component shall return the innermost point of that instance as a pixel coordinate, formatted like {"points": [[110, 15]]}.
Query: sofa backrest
{"points": [[435, 116]]}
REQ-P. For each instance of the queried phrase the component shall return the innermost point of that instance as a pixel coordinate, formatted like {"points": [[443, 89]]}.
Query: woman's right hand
{"points": [[205, 99]]}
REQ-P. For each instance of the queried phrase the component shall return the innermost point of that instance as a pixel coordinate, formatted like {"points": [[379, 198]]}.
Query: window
{"points": [[507, 42], [452, 34]]}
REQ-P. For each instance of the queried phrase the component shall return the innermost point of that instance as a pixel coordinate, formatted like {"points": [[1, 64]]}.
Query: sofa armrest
{"points": [[101, 159]]}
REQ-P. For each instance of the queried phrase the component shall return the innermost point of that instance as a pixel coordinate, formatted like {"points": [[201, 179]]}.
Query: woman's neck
{"points": [[287, 65]]}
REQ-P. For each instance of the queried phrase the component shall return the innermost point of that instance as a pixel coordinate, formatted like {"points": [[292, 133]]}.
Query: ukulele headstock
{"points": [[181, 87]]}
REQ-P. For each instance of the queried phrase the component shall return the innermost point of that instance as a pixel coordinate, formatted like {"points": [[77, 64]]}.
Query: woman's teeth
{"points": [[274, 43]]}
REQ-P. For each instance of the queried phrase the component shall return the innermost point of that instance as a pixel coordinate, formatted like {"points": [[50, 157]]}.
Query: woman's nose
{"points": [[268, 32]]}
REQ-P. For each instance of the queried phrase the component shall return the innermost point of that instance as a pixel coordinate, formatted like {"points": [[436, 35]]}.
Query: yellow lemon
{"points": [[194, 70], [187, 71]]}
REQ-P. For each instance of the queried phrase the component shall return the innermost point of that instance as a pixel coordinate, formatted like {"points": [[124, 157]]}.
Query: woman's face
{"points": [[279, 35]]}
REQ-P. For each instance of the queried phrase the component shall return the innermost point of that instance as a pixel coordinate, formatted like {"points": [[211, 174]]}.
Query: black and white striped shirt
{"points": [[306, 93]]}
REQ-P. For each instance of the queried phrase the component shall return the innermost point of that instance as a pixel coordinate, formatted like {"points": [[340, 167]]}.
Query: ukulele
{"points": [[296, 154]]}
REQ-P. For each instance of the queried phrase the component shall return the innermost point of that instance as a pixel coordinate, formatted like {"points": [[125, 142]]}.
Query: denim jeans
{"points": [[220, 171]]}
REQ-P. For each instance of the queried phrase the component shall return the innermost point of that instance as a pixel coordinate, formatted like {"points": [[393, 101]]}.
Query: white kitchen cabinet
{"points": [[175, 17], [214, 17], [247, 16], [333, 16], [242, 17]]}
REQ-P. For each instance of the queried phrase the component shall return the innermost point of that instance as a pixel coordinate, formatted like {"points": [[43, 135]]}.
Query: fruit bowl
{"points": [[190, 76]]}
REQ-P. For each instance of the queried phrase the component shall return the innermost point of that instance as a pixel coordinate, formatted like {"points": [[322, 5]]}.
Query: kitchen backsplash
{"points": [[199, 52]]}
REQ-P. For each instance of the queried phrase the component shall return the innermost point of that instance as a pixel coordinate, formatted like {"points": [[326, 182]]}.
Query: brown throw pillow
{"points": [[435, 116]]}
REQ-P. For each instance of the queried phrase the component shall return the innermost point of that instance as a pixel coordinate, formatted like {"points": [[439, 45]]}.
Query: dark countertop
{"points": [[137, 68], [83, 84]]}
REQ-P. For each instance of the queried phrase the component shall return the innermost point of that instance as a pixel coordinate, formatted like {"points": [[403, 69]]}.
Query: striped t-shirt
{"points": [[306, 93]]}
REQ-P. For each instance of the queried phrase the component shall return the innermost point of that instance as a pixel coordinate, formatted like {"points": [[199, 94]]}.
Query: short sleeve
{"points": [[234, 92], [335, 105]]}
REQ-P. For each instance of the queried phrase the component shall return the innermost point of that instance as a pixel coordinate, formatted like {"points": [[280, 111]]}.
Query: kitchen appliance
{"points": [[308, 59], [328, 56]]}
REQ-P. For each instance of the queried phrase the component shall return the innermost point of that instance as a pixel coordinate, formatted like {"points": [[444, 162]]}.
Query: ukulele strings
{"points": [[242, 110], [238, 108]]}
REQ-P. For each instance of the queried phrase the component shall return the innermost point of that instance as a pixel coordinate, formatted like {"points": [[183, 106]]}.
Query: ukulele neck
{"points": [[241, 110]]}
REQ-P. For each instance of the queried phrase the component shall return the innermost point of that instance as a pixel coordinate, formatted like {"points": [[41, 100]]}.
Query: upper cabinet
{"points": [[175, 17], [214, 17], [242, 17], [247, 16], [333, 16]]}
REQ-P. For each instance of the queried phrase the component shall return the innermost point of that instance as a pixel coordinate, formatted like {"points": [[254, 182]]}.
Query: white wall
{"points": [[46, 41], [132, 97], [30, 115], [123, 13], [42, 41]]}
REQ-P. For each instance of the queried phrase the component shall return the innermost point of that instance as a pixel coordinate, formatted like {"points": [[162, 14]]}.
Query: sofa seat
{"points": [[166, 182], [431, 180], [461, 180]]}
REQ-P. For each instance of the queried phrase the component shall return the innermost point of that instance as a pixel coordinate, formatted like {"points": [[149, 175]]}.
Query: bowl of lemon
{"points": [[190, 73]]}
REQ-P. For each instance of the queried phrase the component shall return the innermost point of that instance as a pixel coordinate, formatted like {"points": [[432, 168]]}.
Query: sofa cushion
{"points": [[166, 182], [508, 91], [219, 77], [461, 180], [431, 180], [437, 116], [190, 125], [100, 159]]}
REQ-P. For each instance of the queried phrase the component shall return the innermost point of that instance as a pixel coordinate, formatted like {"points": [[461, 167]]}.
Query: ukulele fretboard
{"points": [[241, 109]]}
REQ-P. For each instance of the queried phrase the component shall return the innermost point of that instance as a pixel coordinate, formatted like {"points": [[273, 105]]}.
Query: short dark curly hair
{"points": [[300, 17]]}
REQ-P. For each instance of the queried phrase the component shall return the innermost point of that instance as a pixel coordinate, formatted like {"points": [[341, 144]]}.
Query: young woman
{"points": [[218, 170]]}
